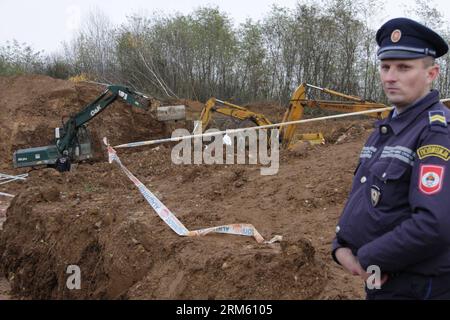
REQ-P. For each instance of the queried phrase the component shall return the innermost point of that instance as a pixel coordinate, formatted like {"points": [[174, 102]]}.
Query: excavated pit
{"points": [[95, 218]]}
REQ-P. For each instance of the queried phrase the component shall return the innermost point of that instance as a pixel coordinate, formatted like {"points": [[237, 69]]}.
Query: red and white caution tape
{"points": [[172, 221]]}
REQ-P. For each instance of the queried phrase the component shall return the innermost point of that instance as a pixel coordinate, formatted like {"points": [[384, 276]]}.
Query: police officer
{"points": [[397, 217]]}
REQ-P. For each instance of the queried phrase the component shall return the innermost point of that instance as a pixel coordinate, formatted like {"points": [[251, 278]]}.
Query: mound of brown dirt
{"points": [[32, 106], [94, 217]]}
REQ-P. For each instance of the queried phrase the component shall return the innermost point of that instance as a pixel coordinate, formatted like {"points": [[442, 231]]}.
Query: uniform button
{"points": [[384, 130], [363, 180], [384, 175], [338, 229]]}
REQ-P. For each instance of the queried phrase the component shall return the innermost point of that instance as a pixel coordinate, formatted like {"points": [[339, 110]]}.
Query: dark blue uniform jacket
{"points": [[398, 212]]}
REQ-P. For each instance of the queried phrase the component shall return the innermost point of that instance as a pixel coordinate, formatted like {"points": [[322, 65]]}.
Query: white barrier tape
{"points": [[162, 211], [172, 221], [7, 194], [7, 176], [230, 131], [241, 229], [8, 181]]}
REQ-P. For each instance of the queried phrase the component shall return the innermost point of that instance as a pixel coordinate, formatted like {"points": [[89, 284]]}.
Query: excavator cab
{"points": [[81, 149]]}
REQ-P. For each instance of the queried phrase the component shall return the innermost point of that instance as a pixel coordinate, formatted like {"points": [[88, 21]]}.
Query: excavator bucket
{"points": [[171, 113], [313, 138]]}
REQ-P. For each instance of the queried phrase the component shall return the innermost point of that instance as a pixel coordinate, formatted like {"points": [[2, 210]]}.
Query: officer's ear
{"points": [[432, 69]]}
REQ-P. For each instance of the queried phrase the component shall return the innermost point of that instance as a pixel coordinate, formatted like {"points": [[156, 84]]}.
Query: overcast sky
{"points": [[44, 24]]}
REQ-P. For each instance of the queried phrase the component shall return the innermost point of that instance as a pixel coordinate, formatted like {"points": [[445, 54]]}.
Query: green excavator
{"points": [[73, 142]]}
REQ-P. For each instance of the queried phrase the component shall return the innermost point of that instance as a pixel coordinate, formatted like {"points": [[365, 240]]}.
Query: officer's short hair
{"points": [[429, 61]]}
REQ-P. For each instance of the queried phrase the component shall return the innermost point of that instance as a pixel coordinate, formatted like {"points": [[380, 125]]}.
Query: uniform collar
{"points": [[402, 120]]}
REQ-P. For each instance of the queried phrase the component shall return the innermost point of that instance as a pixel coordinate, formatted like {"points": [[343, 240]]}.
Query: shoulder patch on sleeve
{"points": [[431, 178], [437, 118], [433, 150]]}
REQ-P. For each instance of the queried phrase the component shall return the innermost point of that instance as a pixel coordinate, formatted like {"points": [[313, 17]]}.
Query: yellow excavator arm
{"points": [[351, 106], [231, 110], [293, 112], [299, 100]]}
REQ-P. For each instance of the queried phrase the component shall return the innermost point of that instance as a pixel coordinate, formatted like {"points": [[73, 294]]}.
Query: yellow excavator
{"points": [[299, 100], [243, 114], [294, 112]]}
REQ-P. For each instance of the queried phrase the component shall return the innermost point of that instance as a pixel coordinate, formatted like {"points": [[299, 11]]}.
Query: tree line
{"points": [[328, 43]]}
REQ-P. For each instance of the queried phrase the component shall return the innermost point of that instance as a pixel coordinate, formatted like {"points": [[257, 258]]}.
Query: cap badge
{"points": [[396, 35]]}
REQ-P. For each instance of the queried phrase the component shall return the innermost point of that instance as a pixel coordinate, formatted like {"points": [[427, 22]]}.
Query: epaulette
{"points": [[437, 120]]}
